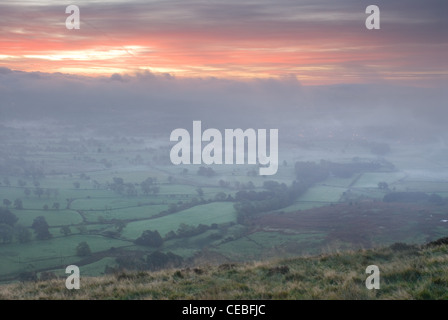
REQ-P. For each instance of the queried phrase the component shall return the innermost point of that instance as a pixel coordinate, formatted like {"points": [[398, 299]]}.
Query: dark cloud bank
{"points": [[146, 103]]}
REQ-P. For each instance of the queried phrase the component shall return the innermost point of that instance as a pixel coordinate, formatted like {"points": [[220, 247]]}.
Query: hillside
{"points": [[407, 272]]}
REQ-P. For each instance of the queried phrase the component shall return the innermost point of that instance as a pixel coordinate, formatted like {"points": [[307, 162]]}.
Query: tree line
{"points": [[10, 230]]}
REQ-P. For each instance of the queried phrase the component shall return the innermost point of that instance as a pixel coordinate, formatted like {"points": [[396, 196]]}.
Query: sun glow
{"points": [[88, 55]]}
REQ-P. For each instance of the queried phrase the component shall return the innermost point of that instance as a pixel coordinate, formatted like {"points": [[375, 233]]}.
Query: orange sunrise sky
{"points": [[317, 42]]}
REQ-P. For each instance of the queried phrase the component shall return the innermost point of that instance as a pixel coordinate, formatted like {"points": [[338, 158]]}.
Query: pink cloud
{"points": [[319, 44]]}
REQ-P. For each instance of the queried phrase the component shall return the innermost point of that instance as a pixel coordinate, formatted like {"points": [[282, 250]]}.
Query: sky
{"points": [[312, 41]]}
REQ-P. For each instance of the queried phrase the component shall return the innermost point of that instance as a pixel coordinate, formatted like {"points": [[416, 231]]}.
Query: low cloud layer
{"points": [[146, 103]]}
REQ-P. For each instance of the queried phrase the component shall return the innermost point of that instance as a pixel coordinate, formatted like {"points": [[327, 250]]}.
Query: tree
{"points": [[118, 180], [18, 204], [69, 202], [271, 185], [252, 173], [27, 192], [7, 217], [147, 185], [206, 171], [155, 189], [22, 234], [46, 207], [39, 192], [173, 208], [65, 230], [250, 185], [185, 230], [76, 185], [436, 199], [96, 184], [56, 206], [21, 183], [200, 192], [6, 233], [220, 196], [411, 197], [223, 184], [383, 185], [118, 185], [119, 225], [150, 238], [6, 182], [131, 191], [170, 235], [6, 202], [82, 229], [40, 226], [83, 249]]}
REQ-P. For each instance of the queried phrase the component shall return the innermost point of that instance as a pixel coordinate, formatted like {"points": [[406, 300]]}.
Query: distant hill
{"points": [[406, 272]]}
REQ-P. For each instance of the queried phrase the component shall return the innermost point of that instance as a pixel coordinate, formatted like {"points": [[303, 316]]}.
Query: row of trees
{"points": [[415, 197], [206, 171], [278, 196], [20, 183], [40, 227], [147, 186], [150, 238], [38, 191], [154, 261], [18, 205], [10, 229], [20, 167], [153, 239], [237, 185], [312, 172]]}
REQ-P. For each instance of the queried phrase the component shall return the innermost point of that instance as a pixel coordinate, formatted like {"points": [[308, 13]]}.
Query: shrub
{"points": [[83, 249], [150, 238], [40, 226], [7, 217]]}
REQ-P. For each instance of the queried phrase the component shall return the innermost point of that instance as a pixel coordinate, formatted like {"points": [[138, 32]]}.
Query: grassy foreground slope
{"points": [[406, 272]]}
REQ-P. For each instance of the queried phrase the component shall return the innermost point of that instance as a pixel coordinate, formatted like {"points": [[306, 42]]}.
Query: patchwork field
{"points": [[107, 193]]}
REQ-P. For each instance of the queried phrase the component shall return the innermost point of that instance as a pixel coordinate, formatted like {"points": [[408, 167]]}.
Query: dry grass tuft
{"points": [[406, 273]]}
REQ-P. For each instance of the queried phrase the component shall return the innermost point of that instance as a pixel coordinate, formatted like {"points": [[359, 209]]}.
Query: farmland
{"points": [[107, 191]]}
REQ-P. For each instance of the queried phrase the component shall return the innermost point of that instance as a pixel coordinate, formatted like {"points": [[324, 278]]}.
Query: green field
{"points": [[47, 253], [265, 245], [203, 214], [53, 217], [324, 194], [78, 190]]}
